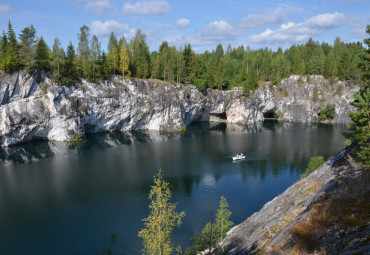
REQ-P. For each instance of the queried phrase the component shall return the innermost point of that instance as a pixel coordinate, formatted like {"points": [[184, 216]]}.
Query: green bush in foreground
{"points": [[314, 163]]}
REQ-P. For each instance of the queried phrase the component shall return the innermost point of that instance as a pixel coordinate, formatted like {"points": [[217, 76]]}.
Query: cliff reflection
{"points": [[270, 147]]}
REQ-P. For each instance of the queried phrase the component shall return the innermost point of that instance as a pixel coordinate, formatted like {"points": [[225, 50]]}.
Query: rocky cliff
{"points": [[33, 107], [326, 213]]}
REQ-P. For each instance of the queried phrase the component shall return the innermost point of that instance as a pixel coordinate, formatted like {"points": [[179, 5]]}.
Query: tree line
{"points": [[233, 67]]}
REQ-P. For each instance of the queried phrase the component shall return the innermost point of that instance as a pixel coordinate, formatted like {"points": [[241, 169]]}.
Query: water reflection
{"points": [[56, 196]]}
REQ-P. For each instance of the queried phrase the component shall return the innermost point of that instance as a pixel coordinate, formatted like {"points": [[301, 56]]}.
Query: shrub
{"points": [[200, 84], [315, 96], [339, 89], [327, 113], [213, 232], [314, 163]]}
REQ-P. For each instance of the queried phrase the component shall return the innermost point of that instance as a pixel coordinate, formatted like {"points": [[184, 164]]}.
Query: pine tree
{"points": [[104, 67], [330, 67], [251, 83], [359, 130], [162, 219], [213, 232], [83, 50], [3, 50], [139, 56], [365, 63], [27, 44], [69, 73], [42, 56], [11, 60]]}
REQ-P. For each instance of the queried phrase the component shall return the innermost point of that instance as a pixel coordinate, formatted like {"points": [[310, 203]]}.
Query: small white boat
{"points": [[238, 157]]}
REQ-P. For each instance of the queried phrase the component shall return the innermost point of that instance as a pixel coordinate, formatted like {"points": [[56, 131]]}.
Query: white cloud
{"points": [[292, 32], [182, 23], [104, 29], [358, 26], [218, 30], [147, 7], [99, 7], [168, 26], [215, 32], [5, 9], [260, 20]]}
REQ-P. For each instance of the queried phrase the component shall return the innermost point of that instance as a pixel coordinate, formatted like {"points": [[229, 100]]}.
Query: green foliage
{"points": [[327, 113], [11, 60], [223, 222], [200, 84], [124, 61], [43, 87], [139, 56], [161, 221], [365, 62], [27, 43], [68, 74], [359, 130], [339, 90], [251, 83], [233, 67], [42, 55], [286, 94], [315, 95], [83, 50], [315, 162], [57, 56], [212, 233]]}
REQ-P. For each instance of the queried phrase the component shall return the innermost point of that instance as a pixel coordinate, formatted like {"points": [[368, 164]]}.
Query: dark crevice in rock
{"points": [[221, 116], [270, 114]]}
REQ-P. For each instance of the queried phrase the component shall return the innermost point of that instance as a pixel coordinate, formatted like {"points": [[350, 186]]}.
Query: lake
{"points": [[66, 198]]}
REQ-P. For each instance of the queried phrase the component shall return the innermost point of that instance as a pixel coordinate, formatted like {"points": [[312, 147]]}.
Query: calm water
{"points": [[58, 198]]}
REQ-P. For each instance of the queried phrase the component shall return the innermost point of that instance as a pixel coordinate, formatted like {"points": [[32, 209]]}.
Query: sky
{"points": [[202, 23]]}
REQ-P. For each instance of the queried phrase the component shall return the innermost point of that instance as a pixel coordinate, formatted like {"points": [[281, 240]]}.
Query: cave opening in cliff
{"points": [[271, 114], [221, 116]]}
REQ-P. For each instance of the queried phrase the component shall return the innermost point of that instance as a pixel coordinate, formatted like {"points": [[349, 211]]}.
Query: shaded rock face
{"points": [[32, 107], [325, 213]]}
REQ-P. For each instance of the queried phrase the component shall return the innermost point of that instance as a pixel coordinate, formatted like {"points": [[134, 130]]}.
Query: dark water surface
{"points": [[59, 198]]}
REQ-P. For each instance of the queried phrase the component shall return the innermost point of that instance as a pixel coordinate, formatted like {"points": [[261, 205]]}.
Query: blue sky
{"points": [[202, 23]]}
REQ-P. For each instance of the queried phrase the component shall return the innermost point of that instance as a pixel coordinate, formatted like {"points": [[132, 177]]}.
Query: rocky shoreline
{"points": [[33, 107], [326, 213]]}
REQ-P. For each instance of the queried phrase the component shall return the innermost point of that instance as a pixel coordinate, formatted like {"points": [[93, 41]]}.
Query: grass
{"points": [[315, 162], [347, 210]]}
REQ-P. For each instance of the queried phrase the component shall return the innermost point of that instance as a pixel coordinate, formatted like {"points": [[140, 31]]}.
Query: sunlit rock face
{"points": [[33, 107], [294, 100]]}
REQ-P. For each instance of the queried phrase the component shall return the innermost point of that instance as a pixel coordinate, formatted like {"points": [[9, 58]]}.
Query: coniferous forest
{"points": [[221, 68]]}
